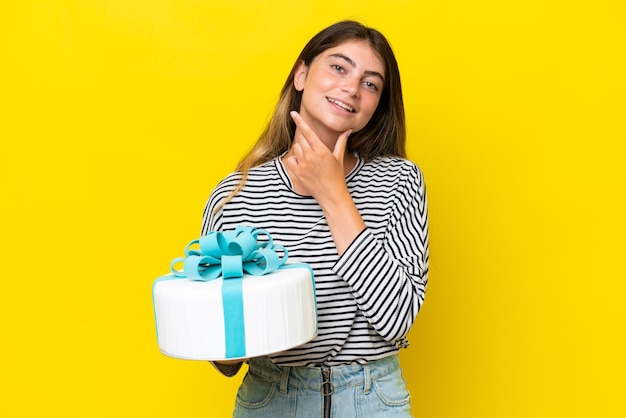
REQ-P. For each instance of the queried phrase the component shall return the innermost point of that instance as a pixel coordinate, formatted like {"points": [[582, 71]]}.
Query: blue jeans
{"points": [[376, 389]]}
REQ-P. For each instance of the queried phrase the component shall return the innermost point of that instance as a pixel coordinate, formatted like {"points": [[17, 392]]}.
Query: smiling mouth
{"points": [[341, 105]]}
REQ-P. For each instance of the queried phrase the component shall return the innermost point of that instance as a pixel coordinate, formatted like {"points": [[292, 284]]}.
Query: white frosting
{"points": [[279, 314]]}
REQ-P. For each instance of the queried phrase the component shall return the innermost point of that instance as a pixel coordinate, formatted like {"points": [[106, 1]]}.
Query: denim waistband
{"points": [[310, 378]]}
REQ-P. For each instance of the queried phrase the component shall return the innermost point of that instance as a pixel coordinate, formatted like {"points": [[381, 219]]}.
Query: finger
{"points": [[300, 139], [305, 130], [297, 118], [291, 162], [298, 152], [341, 145]]}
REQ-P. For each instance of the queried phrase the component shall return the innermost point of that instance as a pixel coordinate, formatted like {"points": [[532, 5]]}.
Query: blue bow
{"points": [[228, 254]]}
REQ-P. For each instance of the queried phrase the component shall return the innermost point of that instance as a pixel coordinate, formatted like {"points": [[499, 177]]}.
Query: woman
{"points": [[329, 180]]}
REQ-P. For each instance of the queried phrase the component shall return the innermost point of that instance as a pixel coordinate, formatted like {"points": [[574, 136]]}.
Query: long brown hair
{"points": [[385, 133]]}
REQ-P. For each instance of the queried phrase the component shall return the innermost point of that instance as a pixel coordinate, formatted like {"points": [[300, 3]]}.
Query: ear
{"points": [[300, 76]]}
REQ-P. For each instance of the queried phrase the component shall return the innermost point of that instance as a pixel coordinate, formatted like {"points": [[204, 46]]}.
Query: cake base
{"points": [[278, 308]]}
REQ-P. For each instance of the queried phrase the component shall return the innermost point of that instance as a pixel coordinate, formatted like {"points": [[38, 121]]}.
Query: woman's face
{"points": [[341, 88]]}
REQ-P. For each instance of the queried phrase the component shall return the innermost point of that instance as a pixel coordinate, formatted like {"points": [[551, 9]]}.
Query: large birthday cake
{"points": [[235, 298]]}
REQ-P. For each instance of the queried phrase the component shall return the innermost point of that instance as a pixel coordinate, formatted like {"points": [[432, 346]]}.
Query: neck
{"points": [[349, 162]]}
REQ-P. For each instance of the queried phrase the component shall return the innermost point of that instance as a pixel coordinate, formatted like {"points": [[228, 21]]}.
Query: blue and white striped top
{"points": [[368, 298]]}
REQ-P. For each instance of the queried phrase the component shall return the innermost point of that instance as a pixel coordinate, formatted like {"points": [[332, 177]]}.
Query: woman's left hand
{"points": [[321, 173], [316, 168]]}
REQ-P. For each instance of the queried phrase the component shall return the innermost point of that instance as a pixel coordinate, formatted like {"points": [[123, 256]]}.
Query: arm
{"points": [[388, 277], [228, 369]]}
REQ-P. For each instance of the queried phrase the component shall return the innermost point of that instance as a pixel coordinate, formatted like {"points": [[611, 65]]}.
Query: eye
{"points": [[370, 85], [337, 67]]}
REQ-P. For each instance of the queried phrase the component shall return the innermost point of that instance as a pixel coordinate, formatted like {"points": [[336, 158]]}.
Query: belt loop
{"points": [[284, 379], [368, 381]]}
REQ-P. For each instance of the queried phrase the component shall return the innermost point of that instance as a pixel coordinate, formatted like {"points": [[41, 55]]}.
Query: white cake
{"points": [[279, 313]]}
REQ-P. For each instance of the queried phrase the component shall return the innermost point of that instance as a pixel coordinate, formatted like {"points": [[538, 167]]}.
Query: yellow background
{"points": [[117, 118]]}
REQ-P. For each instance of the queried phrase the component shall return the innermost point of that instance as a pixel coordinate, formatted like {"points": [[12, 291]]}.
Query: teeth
{"points": [[341, 105]]}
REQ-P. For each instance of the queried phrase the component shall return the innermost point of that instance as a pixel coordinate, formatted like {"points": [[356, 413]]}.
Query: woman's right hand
{"points": [[230, 362]]}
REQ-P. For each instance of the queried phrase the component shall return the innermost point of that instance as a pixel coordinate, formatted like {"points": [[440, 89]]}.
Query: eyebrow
{"points": [[349, 61]]}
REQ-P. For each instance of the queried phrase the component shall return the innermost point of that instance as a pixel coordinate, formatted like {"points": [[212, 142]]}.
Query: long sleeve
{"points": [[368, 297], [388, 277], [228, 370], [212, 216]]}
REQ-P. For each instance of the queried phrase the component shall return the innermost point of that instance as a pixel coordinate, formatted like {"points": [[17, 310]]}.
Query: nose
{"points": [[351, 85]]}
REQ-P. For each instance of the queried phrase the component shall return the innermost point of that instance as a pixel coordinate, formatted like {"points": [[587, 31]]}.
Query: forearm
{"points": [[388, 289], [388, 273], [343, 218], [227, 368]]}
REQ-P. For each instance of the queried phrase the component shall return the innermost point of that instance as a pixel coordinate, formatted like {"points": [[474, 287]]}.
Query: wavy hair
{"points": [[384, 134]]}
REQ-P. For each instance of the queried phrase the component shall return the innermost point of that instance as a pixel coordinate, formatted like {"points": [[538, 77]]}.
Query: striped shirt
{"points": [[368, 298]]}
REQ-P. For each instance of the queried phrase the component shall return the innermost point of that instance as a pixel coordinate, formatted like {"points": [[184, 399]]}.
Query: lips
{"points": [[341, 104]]}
